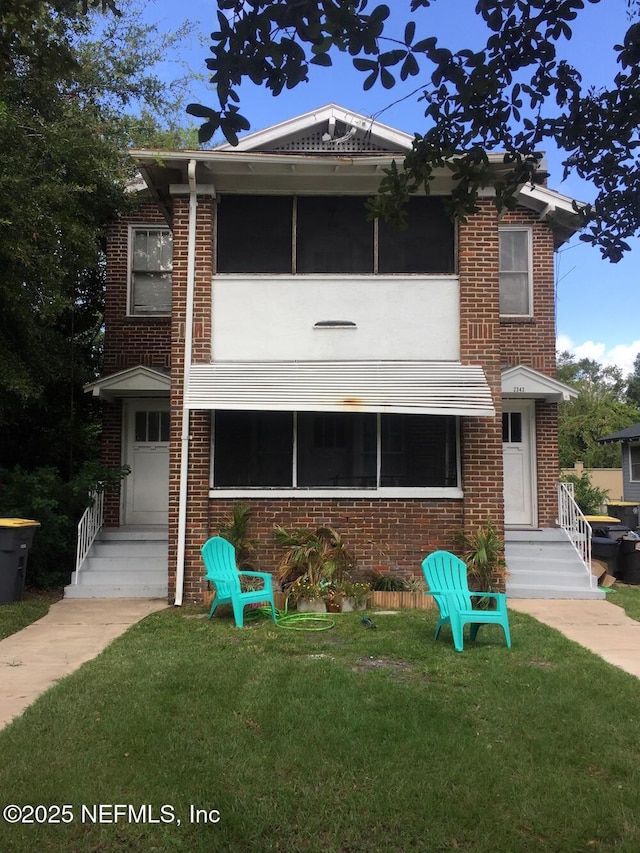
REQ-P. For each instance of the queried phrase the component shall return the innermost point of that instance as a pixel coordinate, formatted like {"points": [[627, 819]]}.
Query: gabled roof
{"points": [[523, 382], [630, 433], [328, 130], [140, 381]]}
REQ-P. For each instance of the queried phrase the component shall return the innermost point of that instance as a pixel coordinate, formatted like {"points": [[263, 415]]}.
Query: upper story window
{"points": [[330, 234], [151, 266], [515, 272]]}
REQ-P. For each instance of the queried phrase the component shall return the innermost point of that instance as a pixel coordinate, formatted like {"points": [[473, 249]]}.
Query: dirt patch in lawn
{"points": [[395, 668]]}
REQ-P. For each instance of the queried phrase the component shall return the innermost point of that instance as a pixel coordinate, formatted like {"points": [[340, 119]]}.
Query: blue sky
{"points": [[597, 302]]}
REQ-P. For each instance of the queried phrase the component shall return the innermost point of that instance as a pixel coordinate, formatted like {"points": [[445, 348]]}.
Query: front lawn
{"points": [[627, 596], [354, 740], [16, 615]]}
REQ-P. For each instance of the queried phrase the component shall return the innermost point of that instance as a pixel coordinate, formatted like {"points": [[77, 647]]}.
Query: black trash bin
{"points": [[629, 561], [606, 537], [626, 511], [16, 536]]}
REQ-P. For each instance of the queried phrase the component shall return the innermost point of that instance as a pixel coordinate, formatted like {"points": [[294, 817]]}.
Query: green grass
{"points": [[627, 597], [339, 742], [16, 615]]}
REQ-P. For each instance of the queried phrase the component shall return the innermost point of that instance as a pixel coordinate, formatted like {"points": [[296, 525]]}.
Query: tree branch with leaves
{"points": [[514, 95]]}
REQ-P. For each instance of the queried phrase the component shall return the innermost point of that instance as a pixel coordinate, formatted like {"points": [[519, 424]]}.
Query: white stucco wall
{"points": [[263, 318]]}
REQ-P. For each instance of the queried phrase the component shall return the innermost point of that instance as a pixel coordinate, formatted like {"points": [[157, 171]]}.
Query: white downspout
{"points": [[188, 348]]}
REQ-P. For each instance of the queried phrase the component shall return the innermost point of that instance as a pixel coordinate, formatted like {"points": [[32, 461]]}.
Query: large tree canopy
{"points": [[75, 89], [515, 94], [603, 406]]}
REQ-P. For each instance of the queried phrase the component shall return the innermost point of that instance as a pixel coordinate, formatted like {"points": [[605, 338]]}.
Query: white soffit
{"points": [[525, 383], [428, 387], [138, 381]]}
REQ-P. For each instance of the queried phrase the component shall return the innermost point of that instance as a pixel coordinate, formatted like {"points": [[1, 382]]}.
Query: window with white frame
{"points": [[515, 272], [151, 267], [634, 462], [333, 450]]}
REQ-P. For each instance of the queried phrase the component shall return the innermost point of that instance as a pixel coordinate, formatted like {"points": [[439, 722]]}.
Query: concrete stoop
{"points": [[543, 563], [125, 562]]}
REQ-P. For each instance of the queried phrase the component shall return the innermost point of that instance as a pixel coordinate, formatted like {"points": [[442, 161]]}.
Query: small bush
{"points": [[589, 498], [387, 583], [44, 496]]}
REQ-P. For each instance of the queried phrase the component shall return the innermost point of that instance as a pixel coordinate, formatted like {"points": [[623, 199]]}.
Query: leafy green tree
{"points": [[600, 409], [515, 94], [633, 384], [75, 91], [77, 87]]}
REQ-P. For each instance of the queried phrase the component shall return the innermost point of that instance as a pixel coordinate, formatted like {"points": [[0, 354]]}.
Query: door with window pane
{"points": [[519, 479], [146, 489]]}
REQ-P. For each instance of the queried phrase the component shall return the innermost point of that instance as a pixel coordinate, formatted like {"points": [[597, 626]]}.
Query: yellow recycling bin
{"points": [[16, 536]]}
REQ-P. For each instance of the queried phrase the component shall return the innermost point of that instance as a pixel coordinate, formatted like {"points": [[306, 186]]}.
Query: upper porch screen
{"points": [[330, 234]]}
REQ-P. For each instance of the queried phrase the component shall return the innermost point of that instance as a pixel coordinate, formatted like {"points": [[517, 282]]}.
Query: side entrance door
{"points": [[518, 449], [146, 445]]}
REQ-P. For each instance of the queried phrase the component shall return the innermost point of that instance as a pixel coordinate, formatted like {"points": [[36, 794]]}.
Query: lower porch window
{"points": [[333, 451]]}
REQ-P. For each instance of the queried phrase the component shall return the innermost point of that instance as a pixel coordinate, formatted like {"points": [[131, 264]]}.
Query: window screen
{"points": [[253, 448], [634, 459], [330, 234], [333, 235], [151, 265], [254, 234], [418, 450], [426, 245], [336, 449]]}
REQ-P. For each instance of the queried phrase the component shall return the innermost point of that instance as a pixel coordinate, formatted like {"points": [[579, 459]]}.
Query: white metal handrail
{"points": [[88, 528], [576, 526]]}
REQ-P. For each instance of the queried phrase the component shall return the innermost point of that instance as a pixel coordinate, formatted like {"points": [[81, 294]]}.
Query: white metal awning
{"points": [[410, 387]]}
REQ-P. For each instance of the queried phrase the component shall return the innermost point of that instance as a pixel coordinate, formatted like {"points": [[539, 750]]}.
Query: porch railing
{"points": [[88, 528], [576, 527]]}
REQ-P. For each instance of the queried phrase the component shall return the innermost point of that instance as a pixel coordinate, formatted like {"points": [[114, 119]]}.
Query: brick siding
{"points": [[386, 535]]}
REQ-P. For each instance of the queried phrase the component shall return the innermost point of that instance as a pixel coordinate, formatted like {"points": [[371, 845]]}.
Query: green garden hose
{"points": [[298, 621]]}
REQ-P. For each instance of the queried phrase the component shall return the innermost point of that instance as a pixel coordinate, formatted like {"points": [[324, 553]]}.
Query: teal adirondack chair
{"points": [[446, 576], [219, 557]]}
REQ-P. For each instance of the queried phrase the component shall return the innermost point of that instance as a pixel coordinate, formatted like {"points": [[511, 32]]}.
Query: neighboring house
{"points": [[266, 344], [629, 440]]}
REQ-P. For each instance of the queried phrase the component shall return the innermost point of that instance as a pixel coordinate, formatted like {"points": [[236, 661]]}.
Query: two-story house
{"points": [[267, 343]]}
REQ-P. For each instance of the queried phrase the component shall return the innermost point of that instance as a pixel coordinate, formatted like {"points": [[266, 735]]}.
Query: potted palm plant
{"points": [[314, 564], [483, 552]]}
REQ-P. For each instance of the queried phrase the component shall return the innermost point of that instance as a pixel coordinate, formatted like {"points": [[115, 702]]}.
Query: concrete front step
{"points": [[124, 563], [114, 548], [544, 564], [158, 590], [520, 591], [131, 562], [133, 534]]}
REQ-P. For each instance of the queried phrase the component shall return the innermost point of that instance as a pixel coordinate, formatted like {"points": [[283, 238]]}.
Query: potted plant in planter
{"points": [[314, 564], [353, 595]]}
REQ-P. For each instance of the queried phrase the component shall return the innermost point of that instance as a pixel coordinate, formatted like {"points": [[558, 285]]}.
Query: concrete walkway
{"points": [[599, 626], [73, 632]]}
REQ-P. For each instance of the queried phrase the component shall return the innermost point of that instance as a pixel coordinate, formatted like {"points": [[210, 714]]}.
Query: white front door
{"points": [[518, 454], [146, 443]]}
